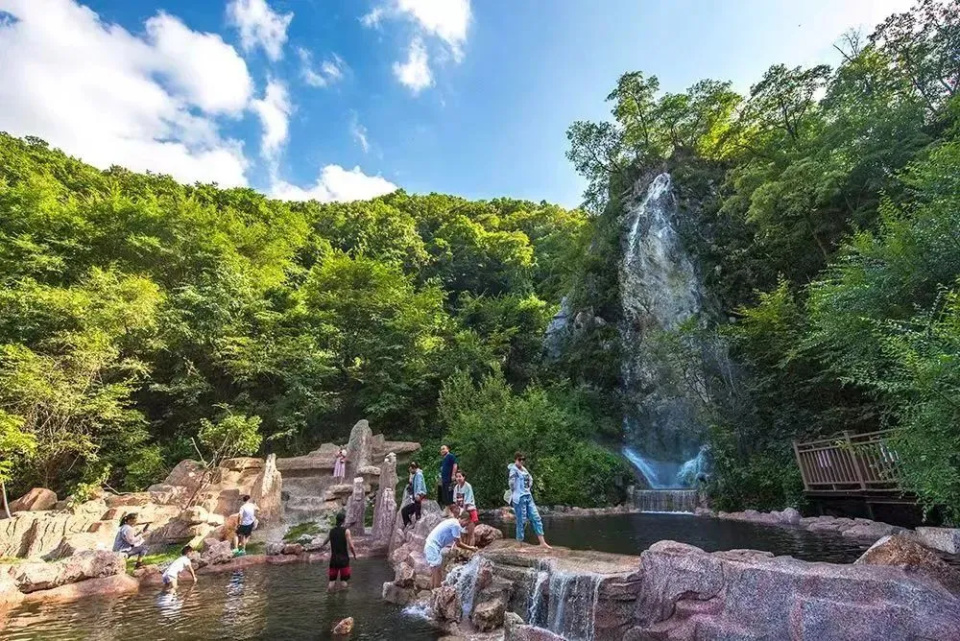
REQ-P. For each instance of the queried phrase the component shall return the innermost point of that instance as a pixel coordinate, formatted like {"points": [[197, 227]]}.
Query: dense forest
{"points": [[823, 208], [144, 322]]}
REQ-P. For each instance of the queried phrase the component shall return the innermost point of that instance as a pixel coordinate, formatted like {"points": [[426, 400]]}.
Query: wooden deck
{"points": [[852, 465]]}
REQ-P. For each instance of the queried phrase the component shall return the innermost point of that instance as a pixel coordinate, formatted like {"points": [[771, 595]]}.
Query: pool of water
{"points": [[634, 533], [287, 603]]}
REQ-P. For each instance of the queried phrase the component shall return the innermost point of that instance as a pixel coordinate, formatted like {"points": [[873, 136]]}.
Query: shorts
{"points": [[434, 556], [339, 573], [245, 530], [168, 580], [474, 516]]}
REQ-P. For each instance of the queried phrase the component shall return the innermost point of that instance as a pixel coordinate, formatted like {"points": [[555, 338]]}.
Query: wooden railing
{"points": [[850, 464]]}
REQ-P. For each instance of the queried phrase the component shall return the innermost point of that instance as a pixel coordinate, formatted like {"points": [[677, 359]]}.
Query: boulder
{"points": [[446, 603], [385, 508], [790, 516], [33, 576], [404, 575], [36, 500], [344, 627], [484, 535], [360, 446], [488, 612], [869, 531], [911, 557], [515, 629], [267, 491], [687, 593], [274, 548], [164, 494], [194, 515], [292, 549], [107, 586], [393, 593], [216, 552], [940, 538], [356, 508], [187, 474], [37, 534], [74, 543], [10, 594]]}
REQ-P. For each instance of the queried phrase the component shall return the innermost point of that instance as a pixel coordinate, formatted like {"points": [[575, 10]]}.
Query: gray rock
{"points": [[914, 559], [385, 508], [790, 516], [356, 508], [940, 538]]}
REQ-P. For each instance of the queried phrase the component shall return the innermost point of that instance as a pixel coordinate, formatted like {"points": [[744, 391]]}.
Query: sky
{"points": [[341, 100]]}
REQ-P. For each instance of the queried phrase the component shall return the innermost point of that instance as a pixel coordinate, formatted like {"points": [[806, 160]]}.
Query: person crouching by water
{"points": [[129, 542], [447, 533], [247, 520], [418, 491], [172, 573], [521, 483], [340, 542], [463, 497]]}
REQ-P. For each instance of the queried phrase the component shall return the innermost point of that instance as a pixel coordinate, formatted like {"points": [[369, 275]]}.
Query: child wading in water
{"points": [[340, 542], [172, 573]]}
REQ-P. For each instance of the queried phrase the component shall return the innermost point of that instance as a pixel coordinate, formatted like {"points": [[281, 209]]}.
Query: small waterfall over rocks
{"points": [[464, 579], [564, 602], [663, 370]]}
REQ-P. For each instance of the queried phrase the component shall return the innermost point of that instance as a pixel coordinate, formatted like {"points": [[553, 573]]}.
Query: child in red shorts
{"points": [[463, 496]]}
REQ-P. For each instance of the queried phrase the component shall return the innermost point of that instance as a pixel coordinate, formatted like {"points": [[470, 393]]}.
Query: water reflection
{"points": [[288, 603]]}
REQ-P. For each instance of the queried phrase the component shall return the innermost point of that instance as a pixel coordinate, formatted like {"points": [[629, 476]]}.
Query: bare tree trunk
{"points": [[3, 497]]}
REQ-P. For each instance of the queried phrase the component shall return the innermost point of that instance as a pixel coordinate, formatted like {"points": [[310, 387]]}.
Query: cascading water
{"points": [[663, 367], [464, 580]]}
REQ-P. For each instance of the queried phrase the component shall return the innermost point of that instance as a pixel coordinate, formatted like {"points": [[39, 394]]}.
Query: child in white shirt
{"points": [[172, 573]]}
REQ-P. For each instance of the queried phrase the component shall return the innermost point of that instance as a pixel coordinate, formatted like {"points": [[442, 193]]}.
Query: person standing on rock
{"points": [[247, 519], [129, 542], [521, 496], [448, 470], [340, 543], [418, 491], [463, 497], [340, 465], [447, 533], [172, 574]]}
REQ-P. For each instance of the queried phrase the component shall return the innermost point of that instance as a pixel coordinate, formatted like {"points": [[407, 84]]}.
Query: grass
{"points": [[165, 555], [309, 529], [9, 560]]}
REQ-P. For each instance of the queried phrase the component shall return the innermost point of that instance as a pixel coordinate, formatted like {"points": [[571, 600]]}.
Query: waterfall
{"points": [[464, 579], [678, 501], [664, 364], [565, 603]]}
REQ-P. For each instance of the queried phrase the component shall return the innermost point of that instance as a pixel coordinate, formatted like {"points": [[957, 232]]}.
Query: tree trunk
{"points": [[3, 497]]}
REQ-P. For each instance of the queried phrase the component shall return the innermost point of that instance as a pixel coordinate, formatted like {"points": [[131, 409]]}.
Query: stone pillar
{"points": [[385, 509], [356, 506], [266, 492], [359, 447]]}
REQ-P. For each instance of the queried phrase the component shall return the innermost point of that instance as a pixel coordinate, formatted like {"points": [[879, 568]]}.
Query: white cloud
{"points": [[259, 25], [329, 72], [446, 19], [336, 184], [97, 91], [372, 19], [359, 133], [220, 84], [274, 110], [415, 73]]}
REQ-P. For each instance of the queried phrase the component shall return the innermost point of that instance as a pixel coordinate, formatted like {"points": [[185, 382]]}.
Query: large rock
{"points": [[33, 576], [107, 586], [940, 538], [902, 552], [446, 604], [75, 543], [36, 500], [356, 508], [216, 552], [385, 509], [187, 474], [10, 594], [37, 534], [690, 594], [359, 447], [484, 535], [516, 630], [343, 628], [267, 490], [869, 531]]}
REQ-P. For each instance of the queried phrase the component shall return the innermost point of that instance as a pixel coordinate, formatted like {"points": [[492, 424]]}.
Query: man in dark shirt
{"points": [[448, 470]]}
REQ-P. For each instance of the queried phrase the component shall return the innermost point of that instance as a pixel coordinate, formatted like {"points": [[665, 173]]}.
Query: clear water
{"points": [[287, 603], [634, 533]]}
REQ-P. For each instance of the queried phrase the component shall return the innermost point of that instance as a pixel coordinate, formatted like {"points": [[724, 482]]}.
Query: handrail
{"points": [[850, 463]]}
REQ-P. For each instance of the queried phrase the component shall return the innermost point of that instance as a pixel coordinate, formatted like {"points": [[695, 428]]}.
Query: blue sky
{"points": [[344, 99]]}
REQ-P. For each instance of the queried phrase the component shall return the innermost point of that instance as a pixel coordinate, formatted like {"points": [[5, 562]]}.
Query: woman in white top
{"points": [[340, 465], [172, 573], [246, 522]]}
